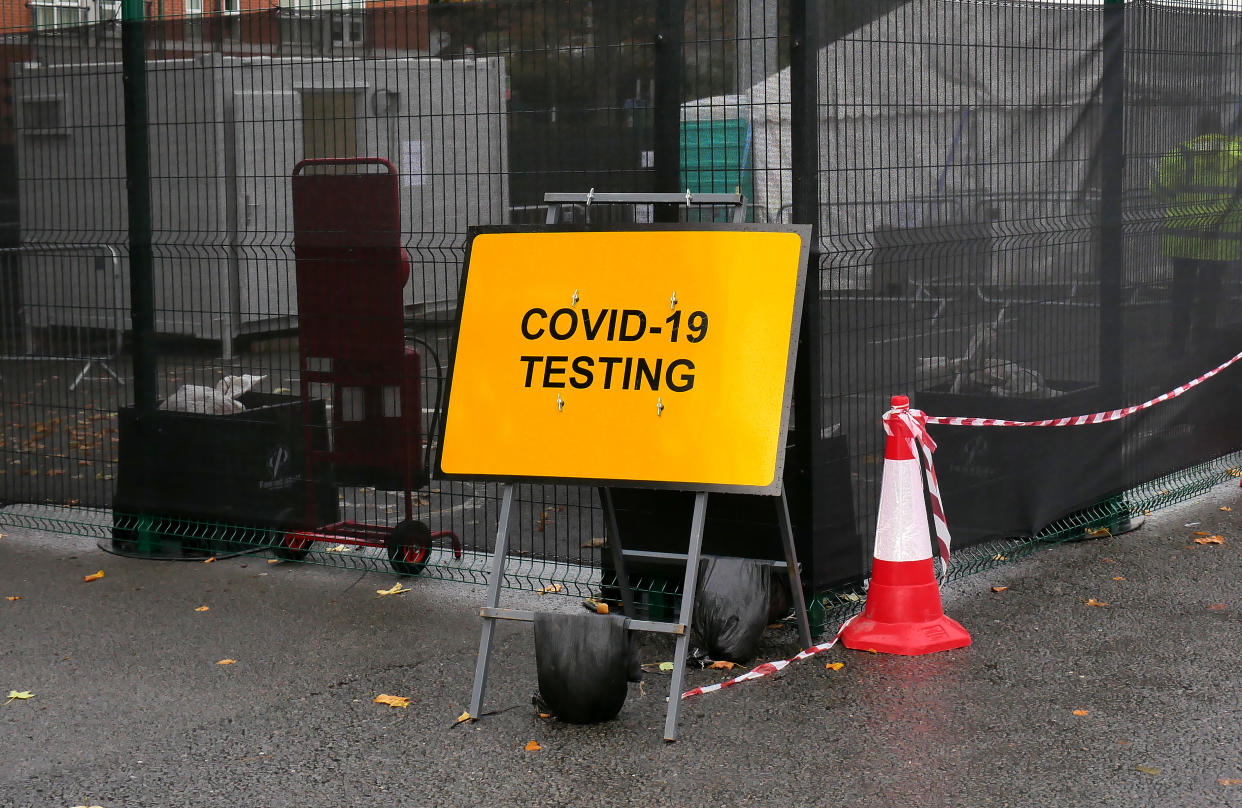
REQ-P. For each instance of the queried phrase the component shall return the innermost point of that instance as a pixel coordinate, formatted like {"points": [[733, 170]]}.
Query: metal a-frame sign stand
{"points": [[492, 611]]}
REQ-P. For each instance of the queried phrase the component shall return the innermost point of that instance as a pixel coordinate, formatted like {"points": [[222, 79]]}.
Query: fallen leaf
{"points": [[593, 605], [397, 589], [1099, 531], [1230, 781], [1107, 561], [1081, 712], [548, 590], [852, 597], [340, 548], [1217, 539], [209, 560], [723, 665], [464, 717], [21, 695], [1147, 770], [1118, 578], [533, 747], [594, 543], [273, 561], [227, 662], [1225, 508], [666, 666], [392, 701], [1094, 602], [95, 576], [999, 557], [545, 715], [1217, 607], [999, 588], [202, 608], [835, 666], [14, 597], [1202, 533]]}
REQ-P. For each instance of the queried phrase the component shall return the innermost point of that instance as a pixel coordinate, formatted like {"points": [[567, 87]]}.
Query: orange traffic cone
{"points": [[903, 614]]}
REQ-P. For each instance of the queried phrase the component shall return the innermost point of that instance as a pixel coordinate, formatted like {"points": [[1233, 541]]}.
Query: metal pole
{"points": [[495, 580], [667, 101], [806, 35], [1110, 258], [806, 29], [682, 647], [617, 551], [138, 188], [791, 567]]}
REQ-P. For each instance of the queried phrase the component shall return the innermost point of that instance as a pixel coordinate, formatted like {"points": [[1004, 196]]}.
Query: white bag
{"points": [[218, 400]]}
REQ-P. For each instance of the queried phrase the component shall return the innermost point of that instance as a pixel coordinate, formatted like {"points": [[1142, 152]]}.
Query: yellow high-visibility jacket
{"points": [[1200, 183]]}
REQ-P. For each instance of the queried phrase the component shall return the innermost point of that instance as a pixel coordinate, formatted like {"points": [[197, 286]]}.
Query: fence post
{"points": [[138, 198], [1110, 256], [806, 31], [670, 22]]}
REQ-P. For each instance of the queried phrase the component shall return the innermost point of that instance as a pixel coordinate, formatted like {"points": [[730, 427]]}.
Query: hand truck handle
{"points": [[343, 161]]}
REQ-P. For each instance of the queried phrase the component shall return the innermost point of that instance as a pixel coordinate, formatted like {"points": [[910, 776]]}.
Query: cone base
{"points": [[907, 639]]}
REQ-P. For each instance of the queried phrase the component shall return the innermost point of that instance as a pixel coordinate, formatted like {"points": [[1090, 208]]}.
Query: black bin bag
{"points": [[736, 599], [585, 662]]}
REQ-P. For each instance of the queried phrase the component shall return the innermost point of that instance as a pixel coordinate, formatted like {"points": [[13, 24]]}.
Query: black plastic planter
{"points": [[191, 478]]}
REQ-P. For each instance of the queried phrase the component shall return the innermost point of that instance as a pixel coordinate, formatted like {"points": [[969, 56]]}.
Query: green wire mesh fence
{"points": [[179, 539]]}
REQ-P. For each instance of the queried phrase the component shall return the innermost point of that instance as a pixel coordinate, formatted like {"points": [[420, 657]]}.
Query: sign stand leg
{"points": [[791, 566], [494, 580], [687, 613], [615, 550]]}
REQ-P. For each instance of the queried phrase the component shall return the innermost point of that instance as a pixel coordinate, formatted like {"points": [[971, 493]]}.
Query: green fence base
{"points": [[164, 538]]}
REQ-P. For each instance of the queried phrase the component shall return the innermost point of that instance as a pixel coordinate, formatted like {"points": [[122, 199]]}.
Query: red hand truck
{"points": [[351, 270]]}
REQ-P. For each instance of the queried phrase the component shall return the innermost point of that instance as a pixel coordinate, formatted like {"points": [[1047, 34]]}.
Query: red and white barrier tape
{"points": [[768, 668], [915, 434], [915, 422], [913, 430], [1093, 418]]}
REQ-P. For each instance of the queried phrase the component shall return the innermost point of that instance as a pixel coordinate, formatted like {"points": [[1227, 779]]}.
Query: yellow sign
{"points": [[657, 355]]}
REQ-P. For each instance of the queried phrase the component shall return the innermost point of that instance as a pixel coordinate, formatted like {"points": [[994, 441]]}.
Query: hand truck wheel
{"points": [[409, 547], [288, 544]]}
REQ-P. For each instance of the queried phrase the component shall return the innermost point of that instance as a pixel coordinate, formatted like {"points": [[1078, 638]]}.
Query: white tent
{"points": [[945, 113]]}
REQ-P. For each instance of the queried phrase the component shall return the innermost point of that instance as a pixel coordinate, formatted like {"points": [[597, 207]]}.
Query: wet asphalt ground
{"points": [[1058, 702]]}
